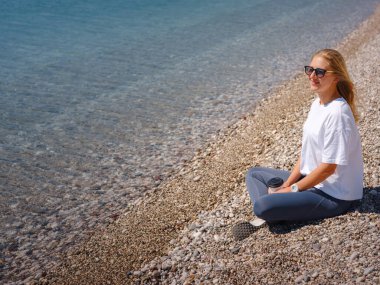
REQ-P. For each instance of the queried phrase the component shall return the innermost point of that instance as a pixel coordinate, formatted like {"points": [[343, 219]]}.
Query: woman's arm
{"points": [[294, 175], [318, 175]]}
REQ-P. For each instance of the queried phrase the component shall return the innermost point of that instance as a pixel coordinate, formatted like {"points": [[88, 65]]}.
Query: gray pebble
{"points": [[360, 279], [196, 253], [368, 270], [192, 227], [354, 255], [167, 265], [299, 279], [235, 250], [316, 246], [197, 178]]}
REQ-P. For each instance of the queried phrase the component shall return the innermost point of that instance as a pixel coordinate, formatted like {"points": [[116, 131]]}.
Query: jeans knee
{"points": [[252, 172], [259, 209]]}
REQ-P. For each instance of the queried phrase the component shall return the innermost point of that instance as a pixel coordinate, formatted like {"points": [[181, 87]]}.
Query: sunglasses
{"points": [[319, 72]]}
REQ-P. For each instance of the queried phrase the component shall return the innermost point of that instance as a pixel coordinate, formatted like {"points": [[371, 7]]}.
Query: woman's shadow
{"points": [[370, 203]]}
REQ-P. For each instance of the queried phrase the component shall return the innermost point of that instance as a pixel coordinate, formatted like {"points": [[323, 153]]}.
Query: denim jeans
{"points": [[310, 204]]}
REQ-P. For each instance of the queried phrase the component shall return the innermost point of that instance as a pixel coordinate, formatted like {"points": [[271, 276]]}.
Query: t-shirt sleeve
{"points": [[336, 139]]}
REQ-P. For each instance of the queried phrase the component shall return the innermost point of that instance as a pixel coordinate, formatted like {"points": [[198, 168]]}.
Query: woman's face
{"points": [[326, 84]]}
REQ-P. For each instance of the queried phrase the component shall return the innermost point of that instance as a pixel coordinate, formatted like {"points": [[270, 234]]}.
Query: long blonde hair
{"points": [[345, 87]]}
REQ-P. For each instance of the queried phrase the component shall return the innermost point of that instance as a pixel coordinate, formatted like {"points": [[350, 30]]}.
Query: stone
{"points": [[353, 256], [196, 235], [192, 227], [316, 246], [329, 274], [235, 249], [196, 253], [299, 279], [167, 265], [197, 178], [368, 270], [360, 279]]}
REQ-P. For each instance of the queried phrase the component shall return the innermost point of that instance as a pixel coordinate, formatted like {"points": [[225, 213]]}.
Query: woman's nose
{"points": [[313, 75]]}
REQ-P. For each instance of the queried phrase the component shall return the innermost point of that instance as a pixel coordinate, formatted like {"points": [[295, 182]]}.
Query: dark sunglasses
{"points": [[319, 72]]}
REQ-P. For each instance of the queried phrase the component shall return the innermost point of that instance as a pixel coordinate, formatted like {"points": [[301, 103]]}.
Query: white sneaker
{"points": [[258, 222]]}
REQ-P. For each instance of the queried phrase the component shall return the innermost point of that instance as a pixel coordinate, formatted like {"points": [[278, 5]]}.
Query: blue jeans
{"points": [[310, 204]]}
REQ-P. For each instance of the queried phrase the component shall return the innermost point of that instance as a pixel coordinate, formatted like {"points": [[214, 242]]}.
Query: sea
{"points": [[102, 101]]}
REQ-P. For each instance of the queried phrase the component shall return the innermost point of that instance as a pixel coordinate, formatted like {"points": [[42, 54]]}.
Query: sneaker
{"points": [[245, 229], [258, 222]]}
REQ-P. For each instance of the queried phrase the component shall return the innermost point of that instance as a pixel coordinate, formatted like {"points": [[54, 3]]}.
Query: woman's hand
{"points": [[283, 190], [317, 176]]}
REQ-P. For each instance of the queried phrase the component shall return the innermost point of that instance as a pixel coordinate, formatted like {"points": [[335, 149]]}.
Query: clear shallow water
{"points": [[100, 100]]}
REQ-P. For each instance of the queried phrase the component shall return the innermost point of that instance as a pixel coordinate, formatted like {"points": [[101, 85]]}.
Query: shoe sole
{"points": [[243, 230]]}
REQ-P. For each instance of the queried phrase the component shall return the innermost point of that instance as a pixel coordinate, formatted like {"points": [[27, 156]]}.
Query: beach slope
{"points": [[181, 233]]}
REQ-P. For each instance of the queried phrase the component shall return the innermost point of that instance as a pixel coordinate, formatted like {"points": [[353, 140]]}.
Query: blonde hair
{"points": [[345, 87]]}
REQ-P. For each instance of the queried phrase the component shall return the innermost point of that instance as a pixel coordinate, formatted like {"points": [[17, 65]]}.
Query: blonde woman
{"points": [[328, 176]]}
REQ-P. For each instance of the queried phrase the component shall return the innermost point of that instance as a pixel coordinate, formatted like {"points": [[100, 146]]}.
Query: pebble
{"points": [[316, 246], [192, 227], [196, 235], [353, 256], [167, 265], [196, 253], [360, 279], [300, 279], [368, 270], [235, 250], [197, 178]]}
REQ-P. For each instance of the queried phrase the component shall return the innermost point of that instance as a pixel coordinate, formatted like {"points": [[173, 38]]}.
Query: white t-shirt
{"points": [[330, 135]]}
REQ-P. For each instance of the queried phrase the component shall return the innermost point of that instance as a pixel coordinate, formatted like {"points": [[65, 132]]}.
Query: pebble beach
{"points": [[180, 232]]}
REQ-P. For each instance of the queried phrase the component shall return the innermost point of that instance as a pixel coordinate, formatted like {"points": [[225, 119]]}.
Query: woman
{"points": [[328, 176]]}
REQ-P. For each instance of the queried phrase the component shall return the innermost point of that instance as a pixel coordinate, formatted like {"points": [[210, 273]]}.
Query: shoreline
{"points": [[132, 248], [73, 167]]}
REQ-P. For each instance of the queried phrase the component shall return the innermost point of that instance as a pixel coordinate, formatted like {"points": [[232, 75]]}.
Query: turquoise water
{"points": [[101, 100]]}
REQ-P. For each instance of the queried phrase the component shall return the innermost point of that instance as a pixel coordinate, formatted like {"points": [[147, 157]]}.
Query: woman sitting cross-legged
{"points": [[328, 175]]}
